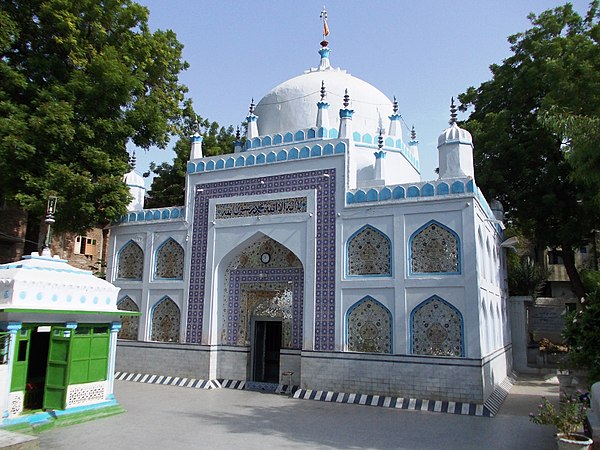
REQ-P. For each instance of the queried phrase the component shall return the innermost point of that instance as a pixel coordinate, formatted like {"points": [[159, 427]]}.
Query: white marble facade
{"points": [[295, 228]]}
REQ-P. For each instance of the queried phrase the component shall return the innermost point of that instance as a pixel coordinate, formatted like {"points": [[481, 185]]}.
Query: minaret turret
{"points": [[237, 144], [380, 160], [135, 183], [322, 114], [455, 147], [413, 143], [345, 131], [395, 129], [196, 151], [252, 131]]}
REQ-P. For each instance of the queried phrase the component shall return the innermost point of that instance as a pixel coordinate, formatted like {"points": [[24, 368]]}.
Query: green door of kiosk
{"points": [[57, 373]]}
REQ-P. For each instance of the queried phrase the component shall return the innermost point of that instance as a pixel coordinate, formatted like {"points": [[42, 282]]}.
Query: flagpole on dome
{"points": [[325, 50]]}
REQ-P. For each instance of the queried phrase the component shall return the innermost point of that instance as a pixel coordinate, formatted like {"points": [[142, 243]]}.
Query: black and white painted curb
{"points": [[169, 381], [494, 402], [413, 404], [489, 409]]}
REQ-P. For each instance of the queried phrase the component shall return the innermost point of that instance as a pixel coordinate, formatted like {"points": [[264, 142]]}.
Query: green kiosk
{"points": [[58, 336]]}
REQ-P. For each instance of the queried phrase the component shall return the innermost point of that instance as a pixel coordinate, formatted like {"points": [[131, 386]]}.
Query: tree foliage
{"points": [[520, 159], [168, 185], [78, 80], [582, 329]]}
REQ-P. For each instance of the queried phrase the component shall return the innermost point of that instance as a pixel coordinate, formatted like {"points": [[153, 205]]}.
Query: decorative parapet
{"points": [[410, 191], [420, 191], [173, 213], [389, 144], [255, 158], [320, 133], [299, 136]]}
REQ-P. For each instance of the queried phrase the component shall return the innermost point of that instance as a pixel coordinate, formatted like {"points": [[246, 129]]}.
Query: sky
{"points": [[423, 52]]}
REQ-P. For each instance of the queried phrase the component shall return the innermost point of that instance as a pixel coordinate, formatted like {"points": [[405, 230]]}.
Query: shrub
{"points": [[567, 418]]}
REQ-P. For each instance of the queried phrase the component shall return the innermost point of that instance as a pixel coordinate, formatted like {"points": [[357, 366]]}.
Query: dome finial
{"points": [[132, 160], [237, 134], [453, 114], [323, 91], [395, 107], [252, 106], [413, 134], [346, 98], [323, 17]]}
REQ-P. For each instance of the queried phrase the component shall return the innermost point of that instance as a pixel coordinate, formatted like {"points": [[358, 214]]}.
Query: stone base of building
{"points": [[465, 380]]}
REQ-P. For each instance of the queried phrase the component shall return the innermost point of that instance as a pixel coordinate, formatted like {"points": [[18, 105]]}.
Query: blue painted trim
{"points": [[356, 305], [324, 52], [11, 326], [385, 194], [44, 258], [346, 113], [427, 190], [47, 416], [413, 191], [135, 186], [429, 274], [166, 241], [72, 270], [452, 307], [391, 250], [147, 215], [442, 189]]}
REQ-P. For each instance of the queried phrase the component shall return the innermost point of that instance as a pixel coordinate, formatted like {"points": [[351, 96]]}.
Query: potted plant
{"points": [[568, 418]]}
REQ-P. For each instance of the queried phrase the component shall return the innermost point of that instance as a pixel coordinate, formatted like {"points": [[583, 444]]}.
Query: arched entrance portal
{"points": [[263, 305]]}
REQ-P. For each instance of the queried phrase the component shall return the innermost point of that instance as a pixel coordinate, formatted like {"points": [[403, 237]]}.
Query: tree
{"points": [[582, 329], [78, 80], [519, 158], [168, 186]]}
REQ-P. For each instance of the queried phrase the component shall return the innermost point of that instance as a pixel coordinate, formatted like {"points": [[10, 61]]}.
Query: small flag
{"points": [[325, 26]]}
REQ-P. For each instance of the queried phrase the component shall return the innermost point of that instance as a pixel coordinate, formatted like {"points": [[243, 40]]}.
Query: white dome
{"points": [[292, 105], [455, 134]]}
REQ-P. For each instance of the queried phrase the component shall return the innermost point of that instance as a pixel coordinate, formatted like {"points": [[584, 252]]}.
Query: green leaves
{"points": [[168, 187], [78, 80], [528, 151]]}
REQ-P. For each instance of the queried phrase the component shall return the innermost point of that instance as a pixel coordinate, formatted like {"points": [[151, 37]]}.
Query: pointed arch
{"points": [[265, 278], [369, 253], [130, 262], [434, 248], [130, 324], [165, 321], [436, 329], [369, 327], [169, 261]]}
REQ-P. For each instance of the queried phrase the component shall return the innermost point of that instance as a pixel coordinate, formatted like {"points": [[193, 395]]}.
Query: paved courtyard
{"points": [[168, 417]]}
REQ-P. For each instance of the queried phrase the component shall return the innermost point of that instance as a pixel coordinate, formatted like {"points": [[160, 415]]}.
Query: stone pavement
{"points": [[168, 417]]}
